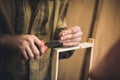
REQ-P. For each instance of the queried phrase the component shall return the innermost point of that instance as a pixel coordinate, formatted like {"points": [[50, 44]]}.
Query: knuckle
{"points": [[28, 39], [23, 44], [36, 53], [79, 34], [77, 27], [31, 56], [33, 36]]}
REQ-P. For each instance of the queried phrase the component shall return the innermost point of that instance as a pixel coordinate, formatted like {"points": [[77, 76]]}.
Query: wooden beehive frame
{"points": [[55, 57]]}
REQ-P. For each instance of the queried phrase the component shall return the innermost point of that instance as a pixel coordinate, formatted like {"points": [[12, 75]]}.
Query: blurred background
{"points": [[98, 19]]}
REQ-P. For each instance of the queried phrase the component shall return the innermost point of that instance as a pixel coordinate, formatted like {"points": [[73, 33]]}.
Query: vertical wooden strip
{"points": [[55, 59]]}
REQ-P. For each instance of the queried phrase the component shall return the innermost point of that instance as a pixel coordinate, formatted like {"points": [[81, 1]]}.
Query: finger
{"points": [[43, 47], [71, 36], [37, 41], [25, 54], [71, 44], [29, 52], [70, 31], [35, 49], [39, 44], [77, 39]]}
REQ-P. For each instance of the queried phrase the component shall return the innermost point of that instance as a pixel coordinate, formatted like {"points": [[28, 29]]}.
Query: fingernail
{"points": [[46, 48]]}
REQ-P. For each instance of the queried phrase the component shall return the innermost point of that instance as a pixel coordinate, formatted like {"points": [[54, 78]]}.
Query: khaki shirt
{"points": [[18, 17]]}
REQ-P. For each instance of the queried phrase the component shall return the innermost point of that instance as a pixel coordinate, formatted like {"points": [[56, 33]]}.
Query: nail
{"points": [[46, 48]]}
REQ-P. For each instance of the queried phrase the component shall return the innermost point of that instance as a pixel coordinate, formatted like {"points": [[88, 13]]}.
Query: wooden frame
{"points": [[55, 57]]}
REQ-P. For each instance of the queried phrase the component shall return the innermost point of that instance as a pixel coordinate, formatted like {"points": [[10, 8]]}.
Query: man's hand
{"points": [[29, 45], [71, 36]]}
